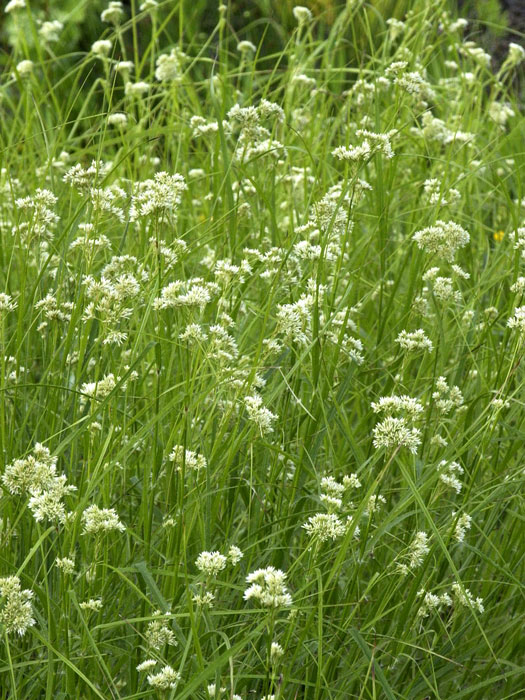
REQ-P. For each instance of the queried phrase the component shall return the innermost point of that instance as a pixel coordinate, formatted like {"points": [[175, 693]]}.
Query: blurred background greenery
{"points": [[250, 19], [266, 23]]}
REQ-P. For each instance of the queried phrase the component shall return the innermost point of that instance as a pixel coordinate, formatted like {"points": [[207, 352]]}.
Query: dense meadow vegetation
{"points": [[262, 325]]}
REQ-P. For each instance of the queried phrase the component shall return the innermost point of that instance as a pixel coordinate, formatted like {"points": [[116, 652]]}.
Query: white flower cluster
{"points": [[6, 303], [42, 217], [83, 179], [17, 612], [414, 340], [192, 292], [36, 476], [169, 66], [254, 139], [371, 143], [188, 458], [211, 563], [166, 679], [435, 129], [374, 504], [267, 587], [398, 404], [465, 598], [417, 551], [436, 194], [263, 418], [13, 5], [463, 524], [447, 398], [393, 433], [113, 14], [325, 526], [159, 195], [98, 521], [49, 31], [443, 239], [332, 491], [517, 322], [158, 634], [448, 474]]}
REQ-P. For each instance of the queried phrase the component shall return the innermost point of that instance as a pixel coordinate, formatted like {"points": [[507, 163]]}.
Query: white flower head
{"points": [[101, 48], [100, 520], [302, 14], [17, 610], [13, 5], [246, 47], [210, 563], [268, 588]]}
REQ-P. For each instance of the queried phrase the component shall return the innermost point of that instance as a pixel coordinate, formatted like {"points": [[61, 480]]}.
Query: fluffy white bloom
{"points": [[234, 555], [446, 398], [465, 597], [276, 652], [124, 67], [302, 14], [500, 112], [49, 32], [113, 14], [463, 524], [100, 520], [13, 5], [66, 565], [191, 460], [33, 473], [417, 551], [136, 89], [193, 292], [443, 239], [46, 504], [165, 679], [415, 340], [448, 474], [204, 600], [158, 634], [161, 194], [517, 322], [516, 54], [210, 563], [93, 604], [246, 47], [375, 503], [17, 612], [259, 414], [146, 665], [415, 84], [102, 47], [25, 68], [100, 389], [432, 602], [324, 526], [398, 404], [372, 143], [169, 66], [518, 287], [392, 433], [118, 119], [268, 588], [6, 303]]}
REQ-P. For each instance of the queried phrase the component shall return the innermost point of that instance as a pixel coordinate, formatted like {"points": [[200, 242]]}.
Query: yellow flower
{"points": [[498, 236]]}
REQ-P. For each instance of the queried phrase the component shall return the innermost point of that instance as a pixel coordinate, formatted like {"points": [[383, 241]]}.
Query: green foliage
{"points": [[264, 303]]}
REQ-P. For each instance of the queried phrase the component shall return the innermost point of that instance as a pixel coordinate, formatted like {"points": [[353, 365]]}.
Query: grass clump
{"points": [[262, 326]]}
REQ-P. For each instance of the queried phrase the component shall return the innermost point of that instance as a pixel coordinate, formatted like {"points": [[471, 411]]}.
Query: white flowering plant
{"points": [[262, 335]]}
